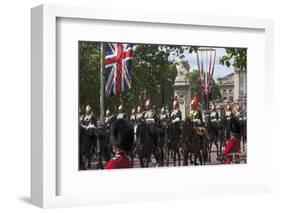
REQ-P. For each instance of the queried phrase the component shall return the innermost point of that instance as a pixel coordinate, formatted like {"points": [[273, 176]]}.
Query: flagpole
{"points": [[102, 83]]}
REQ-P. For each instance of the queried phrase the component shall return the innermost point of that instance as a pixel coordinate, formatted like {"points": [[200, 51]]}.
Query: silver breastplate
{"points": [[228, 115], [163, 116], [149, 114], [213, 116], [121, 115], [139, 116], [87, 119]]}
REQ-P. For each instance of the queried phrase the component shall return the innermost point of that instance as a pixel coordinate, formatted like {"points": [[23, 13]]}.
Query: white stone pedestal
{"points": [[182, 88]]}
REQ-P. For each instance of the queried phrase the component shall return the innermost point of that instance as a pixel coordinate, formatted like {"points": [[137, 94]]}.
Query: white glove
{"points": [[176, 120], [91, 126], [150, 120], [197, 121]]}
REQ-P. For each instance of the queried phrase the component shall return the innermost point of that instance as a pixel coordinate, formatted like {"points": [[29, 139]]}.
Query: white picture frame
{"points": [[44, 135]]}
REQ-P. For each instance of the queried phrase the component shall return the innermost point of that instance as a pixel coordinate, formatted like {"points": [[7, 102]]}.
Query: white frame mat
{"points": [[53, 184]]}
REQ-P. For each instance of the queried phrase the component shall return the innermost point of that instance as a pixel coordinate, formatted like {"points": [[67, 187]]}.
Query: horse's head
{"points": [[140, 127], [188, 121], [187, 129]]}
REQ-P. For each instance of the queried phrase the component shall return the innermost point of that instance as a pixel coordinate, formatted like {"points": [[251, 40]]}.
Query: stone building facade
{"points": [[226, 87], [233, 87]]}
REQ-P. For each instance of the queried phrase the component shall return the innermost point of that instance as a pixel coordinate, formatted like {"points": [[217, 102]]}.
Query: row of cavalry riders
{"points": [[165, 137]]}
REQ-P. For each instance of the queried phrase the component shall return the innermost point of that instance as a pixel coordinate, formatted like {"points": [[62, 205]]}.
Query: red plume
{"points": [[195, 100]]}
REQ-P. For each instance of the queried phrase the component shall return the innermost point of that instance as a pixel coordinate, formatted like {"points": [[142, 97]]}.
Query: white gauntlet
{"points": [[149, 120], [197, 121], [176, 120], [91, 126]]}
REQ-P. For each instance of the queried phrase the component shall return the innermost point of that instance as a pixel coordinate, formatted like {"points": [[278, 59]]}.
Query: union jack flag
{"points": [[118, 64]]}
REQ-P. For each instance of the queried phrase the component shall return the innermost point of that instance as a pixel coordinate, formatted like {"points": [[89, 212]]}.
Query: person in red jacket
{"points": [[122, 140], [233, 143]]}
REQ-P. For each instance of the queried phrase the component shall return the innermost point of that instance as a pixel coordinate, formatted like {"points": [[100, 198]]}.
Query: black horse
{"points": [[160, 142], [173, 143], [225, 123], [215, 134], [144, 143], [103, 146], [190, 143], [87, 146], [243, 128], [133, 151]]}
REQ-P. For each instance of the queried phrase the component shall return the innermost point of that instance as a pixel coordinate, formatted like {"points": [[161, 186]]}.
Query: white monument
{"points": [[182, 88]]}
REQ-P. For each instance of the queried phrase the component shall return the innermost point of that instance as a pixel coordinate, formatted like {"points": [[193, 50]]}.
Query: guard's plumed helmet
{"points": [[228, 107], [133, 111], [176, 103], [122, 135], [148, 103], [88, 108], [139, 109], [238, 107], [121, 108], [107, 113], [194, 102], [214, 106]]}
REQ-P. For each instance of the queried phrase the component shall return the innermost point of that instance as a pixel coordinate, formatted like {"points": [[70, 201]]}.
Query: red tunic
{"points": [[233, 145], [119, 162]]}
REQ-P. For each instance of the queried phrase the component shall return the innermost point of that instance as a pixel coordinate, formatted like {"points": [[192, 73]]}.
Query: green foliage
{"points": [[195, 84], [153, 75], [89, 80], [239, 55]]}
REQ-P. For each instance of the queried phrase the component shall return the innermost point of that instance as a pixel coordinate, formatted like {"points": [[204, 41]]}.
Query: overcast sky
{"points": [[220, 70]]}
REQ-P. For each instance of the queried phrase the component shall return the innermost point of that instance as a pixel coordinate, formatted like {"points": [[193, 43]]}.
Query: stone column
{"points": [[182, 87], [240, 83]]}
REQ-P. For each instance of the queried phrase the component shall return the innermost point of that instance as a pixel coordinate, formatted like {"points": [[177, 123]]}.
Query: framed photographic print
{"points": [[151, 106]]}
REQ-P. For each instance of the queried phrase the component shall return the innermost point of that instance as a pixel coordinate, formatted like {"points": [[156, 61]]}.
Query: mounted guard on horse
{"points": [[174, 133]]}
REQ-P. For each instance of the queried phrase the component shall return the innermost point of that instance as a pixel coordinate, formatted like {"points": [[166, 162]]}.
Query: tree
{"points": [[193, 77], [153, 74], [89, 80], [238, 55]]}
